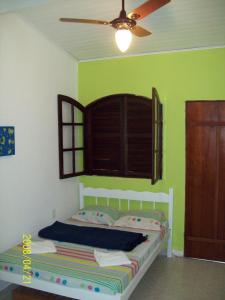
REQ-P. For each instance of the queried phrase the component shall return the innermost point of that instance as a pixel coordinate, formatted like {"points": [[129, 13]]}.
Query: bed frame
{"points": [[115, 194]]}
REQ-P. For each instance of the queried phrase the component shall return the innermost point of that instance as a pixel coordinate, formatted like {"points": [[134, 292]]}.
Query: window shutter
{"points": [[157, 114], [71, 137]]}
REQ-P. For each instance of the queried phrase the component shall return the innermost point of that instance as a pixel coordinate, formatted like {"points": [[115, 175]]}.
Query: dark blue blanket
{"points": [[92, 236]]}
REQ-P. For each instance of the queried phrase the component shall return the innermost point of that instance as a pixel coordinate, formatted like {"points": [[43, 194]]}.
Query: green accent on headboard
{"points": [[181, 76]]}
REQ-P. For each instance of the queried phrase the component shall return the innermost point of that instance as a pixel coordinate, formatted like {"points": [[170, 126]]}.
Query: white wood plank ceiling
{"points": [[181, 24]]}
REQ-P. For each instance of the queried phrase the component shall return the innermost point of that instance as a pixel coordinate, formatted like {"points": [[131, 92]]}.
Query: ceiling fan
{"points": [[126, 24]]}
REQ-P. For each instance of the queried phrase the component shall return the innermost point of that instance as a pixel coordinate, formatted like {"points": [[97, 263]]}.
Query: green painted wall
{"points": [[181, 76]]}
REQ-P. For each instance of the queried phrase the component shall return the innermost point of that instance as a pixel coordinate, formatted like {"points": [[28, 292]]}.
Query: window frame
{"points": [[157, 138], [74, 104]]}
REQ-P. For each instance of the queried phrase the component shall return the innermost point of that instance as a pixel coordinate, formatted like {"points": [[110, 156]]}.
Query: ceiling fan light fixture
{"points": [[123, 39], [126, 25]]}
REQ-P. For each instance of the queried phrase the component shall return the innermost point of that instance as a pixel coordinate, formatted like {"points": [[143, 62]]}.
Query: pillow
{"points": [[153, 214], [98, 214], [148, 220], [138, 222]]}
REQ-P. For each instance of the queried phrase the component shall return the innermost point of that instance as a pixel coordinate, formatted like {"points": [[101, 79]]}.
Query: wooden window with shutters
{"points": [[117, 135]]}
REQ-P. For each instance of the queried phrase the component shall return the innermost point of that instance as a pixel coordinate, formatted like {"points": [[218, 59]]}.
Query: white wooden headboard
{"points": [[131, 196]]}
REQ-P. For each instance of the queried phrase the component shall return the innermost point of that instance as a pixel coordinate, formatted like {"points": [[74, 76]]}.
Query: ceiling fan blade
{"points": [[140, 31], [146, 9], [87, 21]]}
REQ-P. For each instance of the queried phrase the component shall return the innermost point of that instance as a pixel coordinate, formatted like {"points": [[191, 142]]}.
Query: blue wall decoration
{"points": [[7, 140]]}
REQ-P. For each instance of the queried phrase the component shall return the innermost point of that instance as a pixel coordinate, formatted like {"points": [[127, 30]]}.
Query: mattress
{"points": [[75, 266]]}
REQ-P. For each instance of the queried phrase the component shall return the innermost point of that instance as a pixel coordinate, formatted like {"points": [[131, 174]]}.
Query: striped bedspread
{"points": [[73, 265]]}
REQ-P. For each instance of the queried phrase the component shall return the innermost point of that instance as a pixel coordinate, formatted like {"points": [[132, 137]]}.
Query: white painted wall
{"points": [[32, 72]]}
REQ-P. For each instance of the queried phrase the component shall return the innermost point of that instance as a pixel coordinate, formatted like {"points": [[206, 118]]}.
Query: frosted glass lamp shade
{"points": [[123, 39]]}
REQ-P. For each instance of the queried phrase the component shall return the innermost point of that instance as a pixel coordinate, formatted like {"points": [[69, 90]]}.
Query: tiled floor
{"points": [[182, 279], [7, 293], [179, 279]]}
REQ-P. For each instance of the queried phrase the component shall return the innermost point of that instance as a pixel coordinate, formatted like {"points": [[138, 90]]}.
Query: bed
{"points": [[73, 271]]}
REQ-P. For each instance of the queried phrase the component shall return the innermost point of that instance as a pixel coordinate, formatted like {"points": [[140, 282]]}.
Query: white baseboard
{"points": [[209, 260], [178, 253]]}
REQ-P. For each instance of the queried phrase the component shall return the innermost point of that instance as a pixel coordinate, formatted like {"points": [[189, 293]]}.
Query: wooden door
{"points": [[205, 178]]}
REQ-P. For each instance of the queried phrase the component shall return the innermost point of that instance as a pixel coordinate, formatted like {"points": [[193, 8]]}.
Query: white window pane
{"points": [[67, 137], [68, 162], [79, 161], [78, 115], [66, 113], [78, 136]]}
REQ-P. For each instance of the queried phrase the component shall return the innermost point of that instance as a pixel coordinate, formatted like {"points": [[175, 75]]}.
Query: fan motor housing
{"points": [[123, 23]]}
